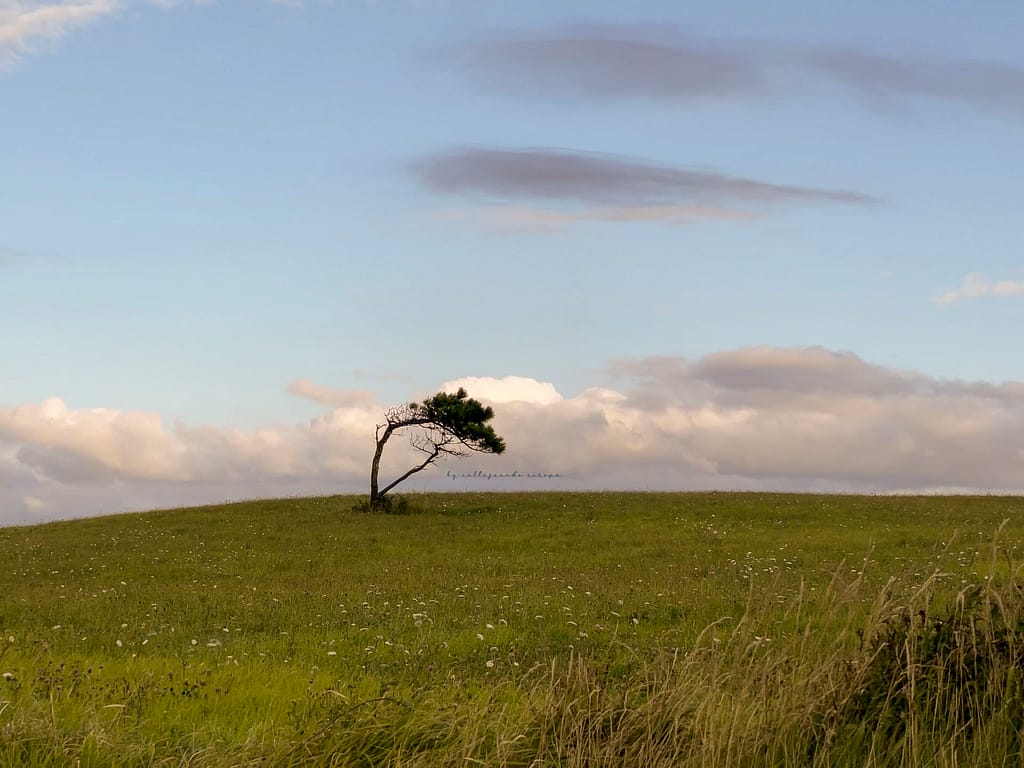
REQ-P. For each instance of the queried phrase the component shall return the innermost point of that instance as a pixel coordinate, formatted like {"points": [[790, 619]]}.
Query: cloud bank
{"points": [[659, 63], [757, 418]]}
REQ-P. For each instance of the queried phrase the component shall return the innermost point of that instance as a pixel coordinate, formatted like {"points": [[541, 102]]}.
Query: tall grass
{"points": [[923, 678], [527, 631]]}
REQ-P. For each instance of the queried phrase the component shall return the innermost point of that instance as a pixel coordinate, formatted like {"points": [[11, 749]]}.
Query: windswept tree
{"points": [[442, 425]]}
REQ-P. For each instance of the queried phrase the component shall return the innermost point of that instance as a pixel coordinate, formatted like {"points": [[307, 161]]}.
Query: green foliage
{"points": [[562, 629], [464, 417]]}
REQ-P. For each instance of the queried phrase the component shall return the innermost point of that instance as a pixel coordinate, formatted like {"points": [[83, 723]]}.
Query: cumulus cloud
{"points": [[510, 389], [789, 419], [604, 187], [756, 418], [89, 460], [662, 64], [765, 417], [100, 445], [978, 286], [794, 415], [130, 444]]}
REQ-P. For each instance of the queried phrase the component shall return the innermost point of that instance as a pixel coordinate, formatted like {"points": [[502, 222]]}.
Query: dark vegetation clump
{"points": [[388, 505], [955, 671]]}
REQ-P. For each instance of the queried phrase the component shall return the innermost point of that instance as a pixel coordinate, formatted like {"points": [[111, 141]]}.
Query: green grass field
{"points": [[562, 629]]}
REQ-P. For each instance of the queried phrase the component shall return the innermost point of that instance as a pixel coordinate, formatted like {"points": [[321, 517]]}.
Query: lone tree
{"points": [[442, 425]]}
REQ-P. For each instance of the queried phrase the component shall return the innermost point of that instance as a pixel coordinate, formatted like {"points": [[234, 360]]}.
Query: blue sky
{"points": [[204, 204]]}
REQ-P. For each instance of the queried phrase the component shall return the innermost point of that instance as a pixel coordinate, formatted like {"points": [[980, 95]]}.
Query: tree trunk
{"points": [[375, 494]]}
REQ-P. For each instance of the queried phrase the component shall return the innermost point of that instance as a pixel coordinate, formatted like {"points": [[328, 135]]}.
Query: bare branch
{"points": [[429, 460]]}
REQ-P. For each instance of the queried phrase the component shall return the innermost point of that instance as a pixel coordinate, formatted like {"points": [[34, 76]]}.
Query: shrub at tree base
{"points": [[389, 505]]}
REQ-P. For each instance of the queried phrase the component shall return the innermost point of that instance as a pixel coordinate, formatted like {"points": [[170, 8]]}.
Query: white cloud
{"points": [[23, 25], [128, 444], [788, 419], [26, 25], [506, 390], [978, 286], [99, 445]]}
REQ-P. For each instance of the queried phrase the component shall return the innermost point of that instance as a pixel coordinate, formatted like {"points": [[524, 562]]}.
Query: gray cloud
{"points": [[781, 377], [813, 370], [64, 466], [602, 62], [888, 79], [587, 179], [662, 64]]}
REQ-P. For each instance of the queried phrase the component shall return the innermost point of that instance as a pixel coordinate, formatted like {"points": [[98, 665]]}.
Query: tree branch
{"points": [[434, 454]]}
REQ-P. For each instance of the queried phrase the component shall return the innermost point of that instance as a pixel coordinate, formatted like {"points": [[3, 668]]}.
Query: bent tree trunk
{"points": [[376, 492]]}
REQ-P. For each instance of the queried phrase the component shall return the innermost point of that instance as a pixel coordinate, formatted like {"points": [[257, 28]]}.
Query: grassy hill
{"points": [[561, 629]]}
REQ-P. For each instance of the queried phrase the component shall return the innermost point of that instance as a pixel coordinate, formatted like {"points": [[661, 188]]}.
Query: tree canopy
{"points": [[442, 425]]}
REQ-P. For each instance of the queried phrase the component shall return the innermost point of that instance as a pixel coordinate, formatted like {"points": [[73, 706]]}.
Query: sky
{"points": [[676, 246]]}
